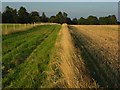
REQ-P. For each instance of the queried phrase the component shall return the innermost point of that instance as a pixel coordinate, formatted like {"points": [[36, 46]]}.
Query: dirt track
{"points": [[72, 66], [89, 56]]}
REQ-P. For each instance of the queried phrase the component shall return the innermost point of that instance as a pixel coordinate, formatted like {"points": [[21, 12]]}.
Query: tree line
{"points": [[11, 15]]}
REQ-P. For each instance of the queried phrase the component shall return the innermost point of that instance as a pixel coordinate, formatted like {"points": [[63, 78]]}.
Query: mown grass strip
{"points": [[14, 42], [32, 73], [22, 33], [18, 55]]}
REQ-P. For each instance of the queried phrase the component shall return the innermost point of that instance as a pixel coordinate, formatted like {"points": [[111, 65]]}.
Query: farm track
{"points": [[71, 65], [96, 60]]}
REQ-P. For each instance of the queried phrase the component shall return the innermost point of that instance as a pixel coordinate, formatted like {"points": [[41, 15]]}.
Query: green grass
{"points": [[25, 61], [14, 40]]}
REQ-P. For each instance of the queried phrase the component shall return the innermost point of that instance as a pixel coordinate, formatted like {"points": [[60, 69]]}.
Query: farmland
{"points": [[69, 56], [98, 46], [26, 56]]}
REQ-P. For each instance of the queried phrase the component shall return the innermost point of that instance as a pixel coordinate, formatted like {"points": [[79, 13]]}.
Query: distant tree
{"points": [[23, 15], [15, 16], [59, 18], [9, 15], [0, 17], [44, 18], [53, 19], [65, 14], [111, 19], [82, 21], [69, 21], [92, 20], [118, 23], [65, 18], [74, 21], [103, 20], [34, 16]]}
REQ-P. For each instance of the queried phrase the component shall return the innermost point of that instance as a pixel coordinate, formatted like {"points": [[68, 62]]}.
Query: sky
{"points": [[60, 0], [74, 9]]}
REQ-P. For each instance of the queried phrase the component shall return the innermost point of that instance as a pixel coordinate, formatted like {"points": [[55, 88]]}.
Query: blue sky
{"points": [[74, 9], [59, 0]]}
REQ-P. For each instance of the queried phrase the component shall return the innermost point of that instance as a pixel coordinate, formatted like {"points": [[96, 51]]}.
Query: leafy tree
{"points": [[59, 18], [52, 19], [103, 20], [82, 21], [111, 19], [0, 17], [92, 20], [34, 16], [15, 16], [65, 18], [74, 21], [65, 14], [9, 15], [69, 21], [23, 15], [44, 18]]}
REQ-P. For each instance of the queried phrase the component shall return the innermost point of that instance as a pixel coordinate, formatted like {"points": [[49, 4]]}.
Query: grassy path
{"points": [[69, 68]]}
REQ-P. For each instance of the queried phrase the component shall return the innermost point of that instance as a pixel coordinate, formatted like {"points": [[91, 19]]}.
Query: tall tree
{"points": [[53, 19], [60, 18], [0, 17], [74, 21], [113, 19], [44, 18], [69, 21], [9, 15], [34, 16], [103, 20], [23, 15], [15, 16], [65, 18], [92, 20], [82, 21]]}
